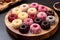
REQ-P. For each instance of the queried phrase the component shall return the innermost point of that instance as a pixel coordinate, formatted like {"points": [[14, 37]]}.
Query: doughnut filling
{"points": [[31, 18]]}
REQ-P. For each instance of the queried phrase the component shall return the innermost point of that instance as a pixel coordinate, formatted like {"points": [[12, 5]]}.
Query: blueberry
{"points": [[23, 29], [45, 25]]}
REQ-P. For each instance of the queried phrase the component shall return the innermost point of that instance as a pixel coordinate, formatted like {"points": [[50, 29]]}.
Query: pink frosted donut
{"points": [[28, 21], [34, 5], [42, 8], [35, 28], [42, 15]]}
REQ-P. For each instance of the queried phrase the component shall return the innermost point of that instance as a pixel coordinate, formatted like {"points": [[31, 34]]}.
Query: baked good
{"points": [[6, 3], [33, 27]]}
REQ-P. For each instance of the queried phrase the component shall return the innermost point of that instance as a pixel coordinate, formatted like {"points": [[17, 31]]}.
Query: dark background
{"points": [[3, 33]]}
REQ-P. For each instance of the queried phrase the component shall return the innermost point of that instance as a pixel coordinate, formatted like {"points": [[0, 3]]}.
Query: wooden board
{"points": [[6, 5]]}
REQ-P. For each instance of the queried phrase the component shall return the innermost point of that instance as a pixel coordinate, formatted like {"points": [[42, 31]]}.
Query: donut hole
{"points": [[34, 25], [24, 5], [50, 11], [23, 26], [34, 4], [37, 19], [41, 14], [50, 18], [42, 7], [28, 20], [23, 14], [16, 10], [16, 21], [32, 10], [45, 23]]}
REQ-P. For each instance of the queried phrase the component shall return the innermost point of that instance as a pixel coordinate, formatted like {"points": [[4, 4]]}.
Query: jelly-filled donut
{"points": [[28, 21], [50, 19], [22, 15], [16, 23], [23, 29], [45, 25], [42, 15], [35, 28], [24, 7]]}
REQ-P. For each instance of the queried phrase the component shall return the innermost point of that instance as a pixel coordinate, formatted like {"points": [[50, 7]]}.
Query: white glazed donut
{"points": [[16, 10], [24, 7], [51, 19]]}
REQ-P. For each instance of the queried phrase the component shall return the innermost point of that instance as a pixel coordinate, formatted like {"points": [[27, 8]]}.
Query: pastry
{"points": [[23, 29], [34, 5], [32, 11], [32, 25], [6, 3], [42, 8], [50, 19], [16, 10], [35, 28], [45, 25], [16, 23], [42, 15], [22, 15], [37, 20], [11, 17], [28, 21], [24, 7]]}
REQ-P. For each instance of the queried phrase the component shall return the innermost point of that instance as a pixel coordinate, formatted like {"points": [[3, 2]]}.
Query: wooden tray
{"points": [[43, 35]]}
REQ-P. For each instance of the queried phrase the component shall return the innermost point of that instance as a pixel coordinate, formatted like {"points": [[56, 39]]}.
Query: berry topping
{"points": [[11, 17], [33, 16]]}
